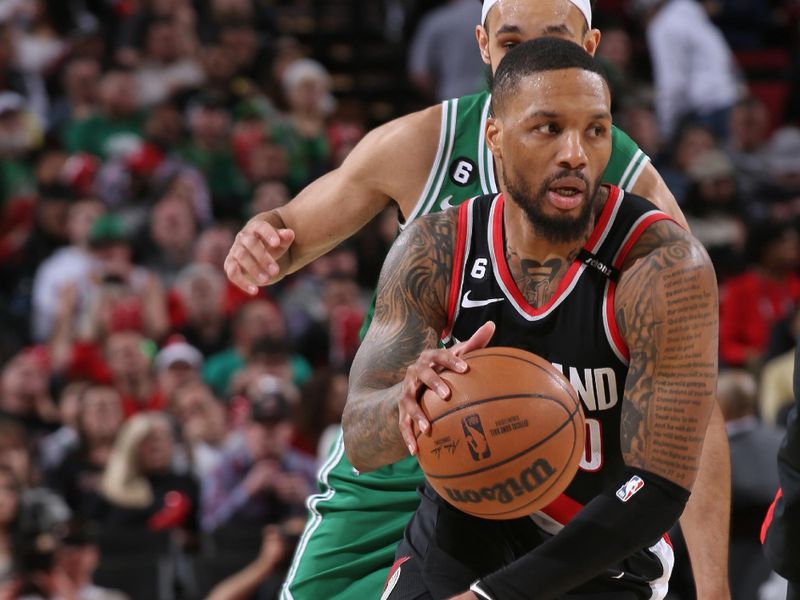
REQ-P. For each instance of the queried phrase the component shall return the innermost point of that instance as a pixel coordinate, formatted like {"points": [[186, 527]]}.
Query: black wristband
{"points": [[610, 528]]}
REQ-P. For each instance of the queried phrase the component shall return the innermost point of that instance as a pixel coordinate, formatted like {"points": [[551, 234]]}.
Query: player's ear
{"points": [[483, 43], [494, 128], [591, 41]]}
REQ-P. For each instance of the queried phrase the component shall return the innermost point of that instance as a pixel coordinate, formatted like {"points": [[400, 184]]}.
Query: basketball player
{"points": [[425, 162], [781, 531], [629, 294]]}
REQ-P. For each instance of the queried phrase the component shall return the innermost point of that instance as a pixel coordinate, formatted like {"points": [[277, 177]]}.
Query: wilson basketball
{"points": [[509, 439]]}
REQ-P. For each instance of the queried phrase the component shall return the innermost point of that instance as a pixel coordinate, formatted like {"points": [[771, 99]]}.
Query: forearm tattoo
{"points": [[666, 307], [410, 313]]}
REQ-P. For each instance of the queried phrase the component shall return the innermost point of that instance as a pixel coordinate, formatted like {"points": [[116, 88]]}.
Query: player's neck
{"points": [[522, 237], [538, 265]]}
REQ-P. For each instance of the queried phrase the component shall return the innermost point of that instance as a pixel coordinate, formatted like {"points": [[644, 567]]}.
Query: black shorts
{"points": [[445, 550]]}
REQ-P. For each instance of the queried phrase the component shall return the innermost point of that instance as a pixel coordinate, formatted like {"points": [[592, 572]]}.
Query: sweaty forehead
{"points": [[536, 18], [564, 92]]}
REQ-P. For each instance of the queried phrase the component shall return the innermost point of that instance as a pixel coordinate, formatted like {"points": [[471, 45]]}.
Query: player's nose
{"points": [[571, 153]]}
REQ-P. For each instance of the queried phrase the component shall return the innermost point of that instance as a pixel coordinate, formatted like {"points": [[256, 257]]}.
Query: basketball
{"points": [[509, 439]]}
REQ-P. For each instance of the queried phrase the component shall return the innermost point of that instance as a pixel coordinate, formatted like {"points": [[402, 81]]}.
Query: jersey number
{"points": [[479, 268], [462, 172], [592, 459]]}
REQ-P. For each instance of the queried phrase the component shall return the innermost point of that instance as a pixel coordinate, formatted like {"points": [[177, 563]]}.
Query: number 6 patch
{"points": [[463, 171]]}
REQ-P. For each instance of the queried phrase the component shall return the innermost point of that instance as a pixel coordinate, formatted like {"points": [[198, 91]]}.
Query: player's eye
{"points": [[547, 128], [597, 130]]}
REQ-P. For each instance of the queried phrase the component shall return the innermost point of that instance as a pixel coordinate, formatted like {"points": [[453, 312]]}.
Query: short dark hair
{"points": [[536, 56]]}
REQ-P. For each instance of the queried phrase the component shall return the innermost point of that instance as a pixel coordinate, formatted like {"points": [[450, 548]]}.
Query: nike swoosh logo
{"points": [[466, 302], [445, 202], [619, 576]]}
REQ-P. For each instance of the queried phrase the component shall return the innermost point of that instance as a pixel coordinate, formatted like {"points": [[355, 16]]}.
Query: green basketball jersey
{"points": [[357, 519]]}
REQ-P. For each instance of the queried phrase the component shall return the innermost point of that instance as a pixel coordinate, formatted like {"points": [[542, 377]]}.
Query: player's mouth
{"points": [[566, 193]]}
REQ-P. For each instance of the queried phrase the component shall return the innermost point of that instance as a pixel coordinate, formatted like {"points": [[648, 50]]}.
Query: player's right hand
{"points": [[424, 373], [252, 261]]}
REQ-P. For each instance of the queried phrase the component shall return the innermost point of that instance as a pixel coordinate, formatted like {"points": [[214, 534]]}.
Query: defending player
{"points": [[629, 293], [425, 162]]}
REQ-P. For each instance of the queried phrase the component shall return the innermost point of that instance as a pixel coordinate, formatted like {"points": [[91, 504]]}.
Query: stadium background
{"points": [[137, 136]]}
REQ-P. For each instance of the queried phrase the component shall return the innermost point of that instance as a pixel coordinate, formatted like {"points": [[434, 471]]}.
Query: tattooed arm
{"points": [[410, 313], [666, 306]]}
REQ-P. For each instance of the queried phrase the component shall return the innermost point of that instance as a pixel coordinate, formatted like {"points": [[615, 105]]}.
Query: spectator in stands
{"points": [[781, 188], [20, 135], [212, 246], [71, 264], [75, 479], [80, 80], [122, 295], [260, 480], [140, 487], [209, 150], [200, 289], [117, 127], [443, 62], [203, 422], [177, 364], [55, 446], [24, 392], [306, 85], [751, 303], [691, 143], [694, 70], [716, 213], [638, 120], [253, 321], [271, 356], [75, 562], [749, 127], [129, 356], [615, 53], [268, 195], [172, 233], [166, 67]]}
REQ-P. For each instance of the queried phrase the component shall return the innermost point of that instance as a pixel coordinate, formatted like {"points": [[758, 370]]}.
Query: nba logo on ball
{"points": [[476, 439], [633, 485]]}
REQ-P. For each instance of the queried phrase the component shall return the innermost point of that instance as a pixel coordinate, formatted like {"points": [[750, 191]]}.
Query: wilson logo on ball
{"points": [[476, 439], [504, 492]]}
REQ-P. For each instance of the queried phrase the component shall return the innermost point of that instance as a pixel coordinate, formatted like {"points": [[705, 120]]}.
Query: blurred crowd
{"points": [[159, 429]]}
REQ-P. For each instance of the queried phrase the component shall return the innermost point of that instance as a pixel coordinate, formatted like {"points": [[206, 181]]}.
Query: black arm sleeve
{"points": [[605, 532]]}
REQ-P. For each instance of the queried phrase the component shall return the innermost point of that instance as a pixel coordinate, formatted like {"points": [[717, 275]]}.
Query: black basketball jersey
{"points": [[576, 330]]}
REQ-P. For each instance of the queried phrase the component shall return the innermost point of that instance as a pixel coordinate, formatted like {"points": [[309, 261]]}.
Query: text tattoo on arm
{"points": [[667, 310], [410, 313]]}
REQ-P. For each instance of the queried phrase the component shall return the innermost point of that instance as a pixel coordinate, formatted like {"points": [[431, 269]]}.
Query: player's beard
{"points": [[556, 229]]}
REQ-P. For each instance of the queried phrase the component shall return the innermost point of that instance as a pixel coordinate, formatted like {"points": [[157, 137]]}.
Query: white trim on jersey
{"points": [[483, 147], [467, 246], [637, 173], [572, 284], [611, 219], [447, 135], [316, 518]]}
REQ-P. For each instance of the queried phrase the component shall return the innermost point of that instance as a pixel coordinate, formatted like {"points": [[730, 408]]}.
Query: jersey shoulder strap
{"points": [[626, 163], [463, 165]]}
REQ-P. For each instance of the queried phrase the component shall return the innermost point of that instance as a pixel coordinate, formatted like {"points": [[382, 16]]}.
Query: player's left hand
{"points": [[424, 373]]}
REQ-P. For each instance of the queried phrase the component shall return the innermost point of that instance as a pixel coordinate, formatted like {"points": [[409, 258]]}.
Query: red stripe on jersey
{"points": [[633, 237], [600, 228], [397, 564], [563, 509], [458, 265], [770, 515]]}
